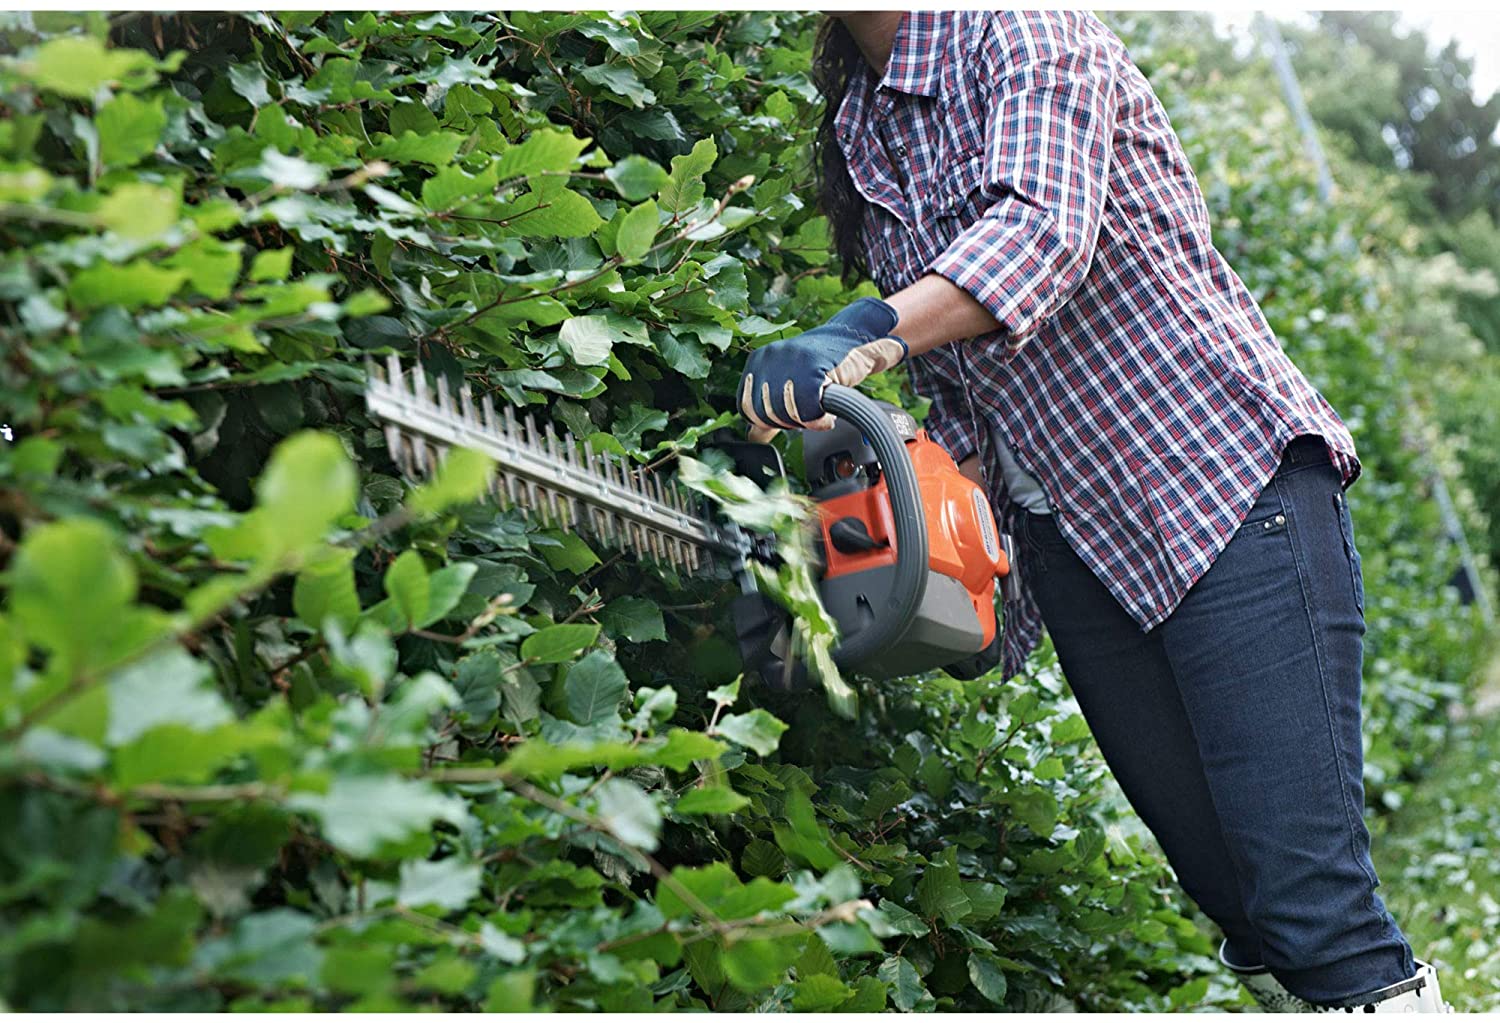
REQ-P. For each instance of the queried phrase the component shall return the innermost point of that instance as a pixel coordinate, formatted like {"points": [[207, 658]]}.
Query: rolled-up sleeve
{"points": [[1048, 136]]}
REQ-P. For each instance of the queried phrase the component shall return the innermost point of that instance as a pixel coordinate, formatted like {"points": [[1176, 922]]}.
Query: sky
{"points": [[1477, 33], [1478, 36]]}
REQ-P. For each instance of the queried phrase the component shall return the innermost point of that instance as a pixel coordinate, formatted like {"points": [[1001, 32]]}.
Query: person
{"points": [[1015, 190]]}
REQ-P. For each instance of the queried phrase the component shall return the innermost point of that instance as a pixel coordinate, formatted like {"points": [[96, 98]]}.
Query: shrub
{"points": [[280, 733]]}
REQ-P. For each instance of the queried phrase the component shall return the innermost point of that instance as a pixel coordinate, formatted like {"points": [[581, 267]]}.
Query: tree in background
{"points": [[1389, 99], [1414, 108]]}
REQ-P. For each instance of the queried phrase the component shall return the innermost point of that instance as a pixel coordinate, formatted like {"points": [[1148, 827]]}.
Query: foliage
{"points": [[279, 732], [1437, 856], [1415, 109], [1391, 99]]}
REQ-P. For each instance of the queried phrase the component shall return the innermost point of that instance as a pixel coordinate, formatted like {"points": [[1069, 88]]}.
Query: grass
{"points": [[1439, 862]]}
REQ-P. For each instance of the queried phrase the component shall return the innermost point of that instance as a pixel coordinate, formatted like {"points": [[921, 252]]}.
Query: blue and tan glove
{"points": [[783, 383]]}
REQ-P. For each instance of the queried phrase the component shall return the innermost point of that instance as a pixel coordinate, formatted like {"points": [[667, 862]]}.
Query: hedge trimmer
{"points": [[908, 549]]}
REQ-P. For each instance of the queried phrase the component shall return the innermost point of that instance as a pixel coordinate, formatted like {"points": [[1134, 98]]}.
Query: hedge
{"points": [[281, 732]]}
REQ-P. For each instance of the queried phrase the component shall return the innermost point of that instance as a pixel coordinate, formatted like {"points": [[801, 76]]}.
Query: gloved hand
{"points": [[783, 383]]}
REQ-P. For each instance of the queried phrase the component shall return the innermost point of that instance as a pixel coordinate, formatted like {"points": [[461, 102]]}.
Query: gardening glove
{"points": [[783, 383]]}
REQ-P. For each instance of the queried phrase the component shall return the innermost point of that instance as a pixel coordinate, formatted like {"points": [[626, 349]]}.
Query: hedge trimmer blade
{"points": [[545, 472]]}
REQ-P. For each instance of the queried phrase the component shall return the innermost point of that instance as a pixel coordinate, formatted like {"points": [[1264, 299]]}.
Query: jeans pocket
{"points": [[1266, 517], [1351, 552]]}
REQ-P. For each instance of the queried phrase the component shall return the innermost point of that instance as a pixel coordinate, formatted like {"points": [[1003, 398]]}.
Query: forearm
{"points": [[934, 311]]}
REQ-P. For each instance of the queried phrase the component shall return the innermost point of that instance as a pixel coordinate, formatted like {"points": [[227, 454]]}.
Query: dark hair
{"points": [[836, 60]]}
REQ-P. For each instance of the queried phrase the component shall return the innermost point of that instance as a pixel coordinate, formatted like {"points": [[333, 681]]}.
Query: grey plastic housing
{"points": [[941, 630], [891, 609]]}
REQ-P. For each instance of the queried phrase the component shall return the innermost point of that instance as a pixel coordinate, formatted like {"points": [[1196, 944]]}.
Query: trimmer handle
{"points": [[891, 619]]}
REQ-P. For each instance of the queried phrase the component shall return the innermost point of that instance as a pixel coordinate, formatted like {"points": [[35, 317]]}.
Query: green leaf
{"points": [[272, 264], [905, 984], [587, 340], [325, 589], [802, 837], [358, 971], [1187, 994], [989, 979], [249, 80], [633, 618], [129, 129], [557, 643], [1072, 728], [265, 950], [166, 688], [511, 992], [549, 212], [636, 420], [131, 285], [985, 899], [446, 974], [434, 148], [212, 267], [414, 117], [477, 680], [368, 659], [290, 172], [897, 919], [451, 186], [140, 211], [77, 66], [683, 748], [684, 354], [754, 964], [653, 705], [636, 178], [187, 753], [347, 814], [545, 149], [621, 80], [446, 588], [70, 588], [637, 232], [594, 687], [940, 894], [571, 554], [869, 996], [463, 476], [685, 189], [406, 584], [726, 695], [763, 859], [629, 813], [716, 799], [540, 759], [759, 730], [819, 993], [446, 884], [308, 483]]}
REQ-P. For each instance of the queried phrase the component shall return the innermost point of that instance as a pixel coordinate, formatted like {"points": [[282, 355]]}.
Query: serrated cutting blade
{"points": [[548, 473]]}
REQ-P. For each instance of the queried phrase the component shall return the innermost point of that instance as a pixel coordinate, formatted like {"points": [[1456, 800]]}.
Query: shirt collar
{"points": [[916, 63]]}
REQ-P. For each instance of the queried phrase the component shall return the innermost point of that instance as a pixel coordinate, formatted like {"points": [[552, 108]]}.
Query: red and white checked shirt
{"points": [[1023, 156]]}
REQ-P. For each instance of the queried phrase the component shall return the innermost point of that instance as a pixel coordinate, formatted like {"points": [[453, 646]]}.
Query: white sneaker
{"points": [[1419, 993]]}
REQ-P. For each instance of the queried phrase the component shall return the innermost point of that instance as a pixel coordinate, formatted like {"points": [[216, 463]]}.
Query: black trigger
{"points": [[849, 535]]}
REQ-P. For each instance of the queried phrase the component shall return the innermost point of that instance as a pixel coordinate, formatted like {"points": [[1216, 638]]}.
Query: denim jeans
{"points": [[1234, 729]]}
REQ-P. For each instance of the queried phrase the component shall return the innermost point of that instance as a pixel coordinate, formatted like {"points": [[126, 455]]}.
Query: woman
{"points": [[1014, 188]]}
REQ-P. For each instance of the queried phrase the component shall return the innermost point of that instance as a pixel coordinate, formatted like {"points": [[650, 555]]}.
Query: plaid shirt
{"points": [[1024, 157]]}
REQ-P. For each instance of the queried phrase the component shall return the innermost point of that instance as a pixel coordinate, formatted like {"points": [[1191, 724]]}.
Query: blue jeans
{"points": [[1234, 729]]}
